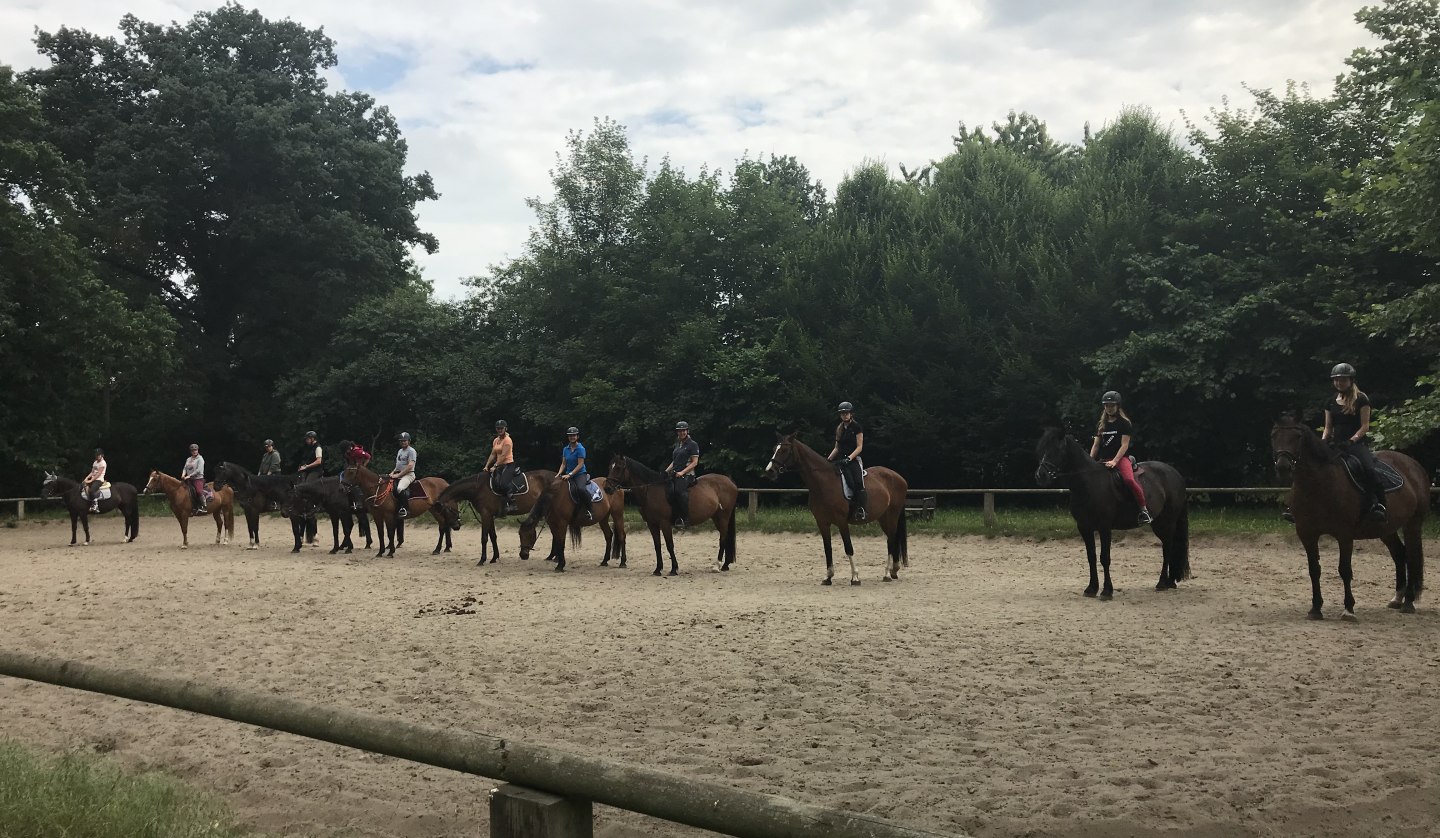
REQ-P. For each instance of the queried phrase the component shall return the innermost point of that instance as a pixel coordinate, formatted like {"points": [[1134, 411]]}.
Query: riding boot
{"points": [[95, 499], [1286, 514], [509, 507], [402, 503], [1377, 511]]}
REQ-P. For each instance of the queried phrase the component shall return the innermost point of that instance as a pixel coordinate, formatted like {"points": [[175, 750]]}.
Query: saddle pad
{"points": [[1389, 478], [845, 484], [417, 491], [596, 493], [518, 486], [103, 493]]}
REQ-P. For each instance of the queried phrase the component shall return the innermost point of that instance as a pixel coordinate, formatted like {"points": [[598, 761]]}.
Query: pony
{"points": [[557, 509], [477, 490], [1099, 503], [387, 525], [885, 503], [122, 497], [222, 507], [256, 494], [1323, 501], [712, 498]]}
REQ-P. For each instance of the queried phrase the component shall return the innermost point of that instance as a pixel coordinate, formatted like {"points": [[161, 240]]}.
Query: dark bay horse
{"points": [[332, 497], [477, 491], [712, 498], [256, 494], [557, 509], [1325, 502], [122, 497], [222, 507], [387, 526], [1099, 503], [885, 502]]}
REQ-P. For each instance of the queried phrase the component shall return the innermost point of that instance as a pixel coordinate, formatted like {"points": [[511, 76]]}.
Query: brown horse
{"points": [[477, 490], [1325, 502], [712, 498], [885, 502], [558, 509], [383, 510], [222, 505]]}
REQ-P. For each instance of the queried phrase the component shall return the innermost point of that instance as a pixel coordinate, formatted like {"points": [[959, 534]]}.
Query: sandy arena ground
{"points": [[981, 693]]}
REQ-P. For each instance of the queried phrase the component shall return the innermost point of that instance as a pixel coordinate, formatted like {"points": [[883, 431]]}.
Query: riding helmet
{"points": [[404, 437], [269, 442], [682, 426], [99, 452], [311, 435], [572, 431], [1110, 397], [1342, 371], [846, 407], [501, 424], [194, 447]]}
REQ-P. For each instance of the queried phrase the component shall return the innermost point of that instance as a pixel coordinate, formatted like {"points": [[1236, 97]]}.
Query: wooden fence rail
{"points": [[576, 780]]}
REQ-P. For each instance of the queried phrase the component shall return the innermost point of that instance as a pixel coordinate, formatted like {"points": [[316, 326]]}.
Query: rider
{"points": [[194, 477], [502, 457], [1347, 425], [309, 459], [572, 468], [270, 463], [684, 460], [95, 480], [849, 442], [355, 456], [403, 475], [1112, 446]]}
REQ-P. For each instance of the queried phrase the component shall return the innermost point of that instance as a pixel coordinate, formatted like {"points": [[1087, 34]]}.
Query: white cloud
{"points": [[833, 82]]}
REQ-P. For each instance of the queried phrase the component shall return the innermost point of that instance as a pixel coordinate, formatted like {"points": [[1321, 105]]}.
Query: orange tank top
{"points": [[504, 450]]}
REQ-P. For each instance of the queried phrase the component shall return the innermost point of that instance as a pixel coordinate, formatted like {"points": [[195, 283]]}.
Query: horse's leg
{"points": [[74, 524], [557, 546], [348, 518], [1346, 549], [1396, 547], [440, 541], [670, 548], [1089, 536], [829, 558], [844, 527], [183, 516], [1312, 558], [297, 530], [1107, 590], [380, 517], [1415, 562], [334, 533], [365, 529], [252, 525]]}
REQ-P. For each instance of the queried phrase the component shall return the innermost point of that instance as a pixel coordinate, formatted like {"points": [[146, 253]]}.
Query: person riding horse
{"points": [[502, 457], [572, 468], [194, 476], [354, 455], [849, 442], [1112, 447], [270, 462], [94, 481], [1347, 428], [684, 460], [403, 475], [309, 459]]}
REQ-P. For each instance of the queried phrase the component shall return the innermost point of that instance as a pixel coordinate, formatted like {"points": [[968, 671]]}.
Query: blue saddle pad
{"points": [[596, 493]]}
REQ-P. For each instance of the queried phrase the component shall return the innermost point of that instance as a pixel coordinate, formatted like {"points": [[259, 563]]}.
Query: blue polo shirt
{"points": [[573, 456]]}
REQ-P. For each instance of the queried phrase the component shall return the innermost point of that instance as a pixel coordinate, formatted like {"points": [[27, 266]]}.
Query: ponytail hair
{"points": [[1349, 397], [1100, 426]]}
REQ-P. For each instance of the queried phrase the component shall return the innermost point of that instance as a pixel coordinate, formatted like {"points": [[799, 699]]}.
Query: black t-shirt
{"points": [[680, 457], [1345, 425], [845, 437], [1111, 437]]}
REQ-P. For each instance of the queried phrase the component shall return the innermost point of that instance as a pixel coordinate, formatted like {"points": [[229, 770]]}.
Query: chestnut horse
{"points": [[477, 490], [885, 503], [558, 510], [384, 511], [222, 505], [712, 498], [122, 497], [1325, 502]]}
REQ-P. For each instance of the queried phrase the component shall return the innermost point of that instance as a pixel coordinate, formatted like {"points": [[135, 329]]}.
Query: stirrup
{"points": [[1287, 515], [1145, 516]]}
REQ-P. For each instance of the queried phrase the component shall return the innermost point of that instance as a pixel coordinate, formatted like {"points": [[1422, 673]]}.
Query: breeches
{"points": [[1127, 474]]}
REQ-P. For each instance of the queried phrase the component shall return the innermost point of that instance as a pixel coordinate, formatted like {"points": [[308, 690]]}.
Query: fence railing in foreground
{"points": [[517, 811]]}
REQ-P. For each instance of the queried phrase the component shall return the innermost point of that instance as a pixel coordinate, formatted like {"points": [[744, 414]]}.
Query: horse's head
{"points": [[154, 484], [783, 457], [223, 476], [48, 487], [1287, 444], [619, 475], [448, 513], [1053, 453], [528, 536]]}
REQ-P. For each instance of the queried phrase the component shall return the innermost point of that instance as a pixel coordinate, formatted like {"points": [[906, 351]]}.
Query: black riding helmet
{"points": [[1110, 397], [572, 431], [404, 437], [846, 407], [311, 435], [682, 426], [99, 452], [501, 424], [1342, 371]]}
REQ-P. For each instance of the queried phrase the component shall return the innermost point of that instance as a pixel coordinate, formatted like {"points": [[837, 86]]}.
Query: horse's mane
{"points": [[1314, 447], [243, 470], [642, 471], [472, 484]]}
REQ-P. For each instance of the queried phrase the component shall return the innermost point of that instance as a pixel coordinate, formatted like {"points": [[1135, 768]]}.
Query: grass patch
{"points": [[81, 796]]}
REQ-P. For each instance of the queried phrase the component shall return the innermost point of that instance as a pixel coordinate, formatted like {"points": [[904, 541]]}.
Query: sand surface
{"points": [[981, 693]]}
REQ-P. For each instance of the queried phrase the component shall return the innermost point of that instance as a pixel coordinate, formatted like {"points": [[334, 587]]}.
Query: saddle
{"points": [[593, 488], [417, 491], [100, 493], [518, 486], [1120, 481], [1388, 478], [845, 484]]}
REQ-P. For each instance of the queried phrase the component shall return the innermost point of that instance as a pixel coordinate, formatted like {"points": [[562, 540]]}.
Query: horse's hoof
{"points": [[1348, 616], [674, 573], [559, 569], [296, 550], [656, 573], [725, 569], [349, 550], [1407, 608], [854, 583], [1090, 592], [604, 562], [1106, 596], [624, 566], [827, 582], [894, 575], [1314, 615], [1396, 603]]}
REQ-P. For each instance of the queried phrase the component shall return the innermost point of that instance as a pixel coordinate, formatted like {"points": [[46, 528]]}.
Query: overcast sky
{"points": [[485, 91]]}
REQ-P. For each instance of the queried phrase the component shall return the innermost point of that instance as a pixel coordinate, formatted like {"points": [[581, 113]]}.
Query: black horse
{"points": [[1099, 502], [331, 496], [122, 497], [256, 494]]}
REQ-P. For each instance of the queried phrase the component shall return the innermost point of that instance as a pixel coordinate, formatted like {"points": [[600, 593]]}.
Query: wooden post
{"points": [[518, 812], [989, 510], [754, 505], [20, 509]]}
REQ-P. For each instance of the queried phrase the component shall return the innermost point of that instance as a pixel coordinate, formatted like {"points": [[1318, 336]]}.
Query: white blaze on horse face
{"points": [[769, 467]]}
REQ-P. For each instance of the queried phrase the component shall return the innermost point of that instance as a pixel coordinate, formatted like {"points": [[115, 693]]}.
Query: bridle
{"points": [[780, 468], [1284, 454]]}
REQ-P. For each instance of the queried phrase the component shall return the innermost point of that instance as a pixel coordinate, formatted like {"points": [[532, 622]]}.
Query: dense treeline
{"points": [[200, 242]]}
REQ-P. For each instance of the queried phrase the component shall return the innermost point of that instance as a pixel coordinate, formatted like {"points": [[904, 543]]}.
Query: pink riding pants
{"points": [[1127, 473]]}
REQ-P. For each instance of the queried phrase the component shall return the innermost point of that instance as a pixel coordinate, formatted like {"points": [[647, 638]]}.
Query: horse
{"points": [[332, 496], [386, 525], [122, 497], [1323, 501], [712, 498], [558, 509], [1099, 502], [222, 507], [477, 490], [256, 493], [885, 503]]}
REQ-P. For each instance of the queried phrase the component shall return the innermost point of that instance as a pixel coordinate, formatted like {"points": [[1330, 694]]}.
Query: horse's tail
{"points": [[1178, 545], [576, 531], [902, 542]]}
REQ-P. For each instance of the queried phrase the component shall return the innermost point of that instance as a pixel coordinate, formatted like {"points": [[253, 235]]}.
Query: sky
{"points": [[485, 92]]}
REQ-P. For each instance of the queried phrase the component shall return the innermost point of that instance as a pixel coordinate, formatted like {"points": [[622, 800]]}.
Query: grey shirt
{"points": [[194, 467], [405, 457], [270, 463]]}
